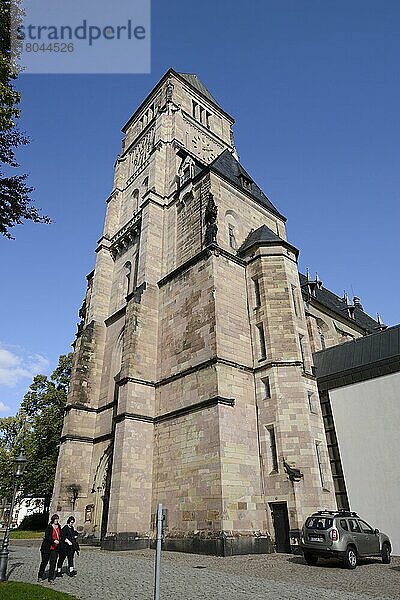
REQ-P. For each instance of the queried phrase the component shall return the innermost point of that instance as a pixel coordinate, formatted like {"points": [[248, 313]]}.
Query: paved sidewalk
{"points": [[129, 575]]}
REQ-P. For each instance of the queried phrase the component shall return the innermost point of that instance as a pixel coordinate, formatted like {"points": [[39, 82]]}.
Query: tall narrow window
{"points": [[267, 387], [257, 292], [145, 184], [320, 463], [127, 282], [312, 401], [135, 200], [194, 109], [302, 350], [208, 115], [272, 455], [201, 114], [261, 341], [295, 302], [232, 239], [135, 270], [321, 338]]}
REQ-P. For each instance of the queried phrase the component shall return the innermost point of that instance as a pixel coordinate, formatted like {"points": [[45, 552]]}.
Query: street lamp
{"points": [[19, 468]]}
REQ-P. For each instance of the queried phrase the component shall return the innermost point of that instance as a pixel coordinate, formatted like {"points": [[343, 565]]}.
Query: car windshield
{"points": [[319, 523]]}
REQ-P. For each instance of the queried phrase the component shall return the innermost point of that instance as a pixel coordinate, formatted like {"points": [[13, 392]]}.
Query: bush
{"points": [[35, 522]]}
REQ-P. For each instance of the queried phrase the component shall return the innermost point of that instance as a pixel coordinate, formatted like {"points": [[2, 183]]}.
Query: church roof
{"points": [[373, 355], [195, 82], [260, 236], [226, 165], [338, 306]]}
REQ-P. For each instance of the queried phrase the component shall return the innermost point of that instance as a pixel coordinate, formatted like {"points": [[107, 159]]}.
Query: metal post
{"points": [[158, 552], [4, 547]]}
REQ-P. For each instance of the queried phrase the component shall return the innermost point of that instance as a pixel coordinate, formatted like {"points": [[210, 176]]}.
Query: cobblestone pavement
{"points": [[129, 575]]}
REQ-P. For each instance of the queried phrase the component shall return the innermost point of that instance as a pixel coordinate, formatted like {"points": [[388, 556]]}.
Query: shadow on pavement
{"points": [[334, 563], [12, 569]]}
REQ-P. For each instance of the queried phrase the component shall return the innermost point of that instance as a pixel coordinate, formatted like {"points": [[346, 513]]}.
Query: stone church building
{"points": [[193, 382]]}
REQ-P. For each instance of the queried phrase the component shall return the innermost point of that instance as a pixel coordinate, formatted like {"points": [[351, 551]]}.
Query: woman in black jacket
{"points": [[68, 546], [49, 548]]}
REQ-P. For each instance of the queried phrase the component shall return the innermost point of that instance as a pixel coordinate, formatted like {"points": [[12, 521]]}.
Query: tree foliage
{"points": [[15, 201], [36, 428]]}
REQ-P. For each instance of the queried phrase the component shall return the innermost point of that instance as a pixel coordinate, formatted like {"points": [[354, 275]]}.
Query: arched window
{"points": [[145, 184]]}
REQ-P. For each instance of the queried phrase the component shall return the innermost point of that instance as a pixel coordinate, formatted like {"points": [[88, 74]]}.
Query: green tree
{"points": [[37, 428], [15, 201]]}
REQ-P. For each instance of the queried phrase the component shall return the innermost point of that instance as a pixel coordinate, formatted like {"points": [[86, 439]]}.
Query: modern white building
{"points": [[359, 385]]}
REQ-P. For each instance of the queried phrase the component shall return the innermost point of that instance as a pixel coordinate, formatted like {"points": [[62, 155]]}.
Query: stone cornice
{"points": [[202, 255], [85, 439], [126, 234], [267, 364], [169, 416], [91, 409], [115, 316], [176, 414]]}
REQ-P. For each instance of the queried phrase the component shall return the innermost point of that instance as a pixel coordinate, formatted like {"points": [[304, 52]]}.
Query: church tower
{"points": [[193, 381]]}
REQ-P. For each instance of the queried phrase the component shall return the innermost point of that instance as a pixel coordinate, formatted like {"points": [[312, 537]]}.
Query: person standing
{"points": [[68, 546], [49, 547]]}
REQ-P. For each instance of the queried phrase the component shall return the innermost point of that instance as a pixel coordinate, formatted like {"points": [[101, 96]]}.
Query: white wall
{"points": [[367, 421]]}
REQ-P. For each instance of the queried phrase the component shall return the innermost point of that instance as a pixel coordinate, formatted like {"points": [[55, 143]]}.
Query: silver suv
{"points": [[342, 534]]}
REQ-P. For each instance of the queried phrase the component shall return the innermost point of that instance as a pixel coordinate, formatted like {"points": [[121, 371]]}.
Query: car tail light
{"points": [[334, 535]]}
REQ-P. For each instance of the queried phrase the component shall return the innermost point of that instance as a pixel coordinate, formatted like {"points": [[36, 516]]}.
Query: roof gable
{"points": [[226, 165]]}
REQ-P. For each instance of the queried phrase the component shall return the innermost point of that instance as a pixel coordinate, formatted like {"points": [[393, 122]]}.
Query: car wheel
{"points": [[310, 559], [350, 558], [385, 554]]}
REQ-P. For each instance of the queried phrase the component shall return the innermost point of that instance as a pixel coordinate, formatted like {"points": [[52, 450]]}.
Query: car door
{"points": [[370, 539], [357, 535]]}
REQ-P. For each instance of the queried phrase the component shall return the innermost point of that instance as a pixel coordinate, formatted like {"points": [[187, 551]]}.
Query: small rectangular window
{"points": [[257, 292], [320, 463], [267, 387], [272, 455], [261, 340]]}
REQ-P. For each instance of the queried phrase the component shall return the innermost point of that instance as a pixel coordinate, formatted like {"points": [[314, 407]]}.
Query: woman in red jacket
{"points": [[49, 548]]}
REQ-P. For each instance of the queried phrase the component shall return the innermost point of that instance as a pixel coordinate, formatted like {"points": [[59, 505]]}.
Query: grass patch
{"points": [[16, 534], [16, 590]]}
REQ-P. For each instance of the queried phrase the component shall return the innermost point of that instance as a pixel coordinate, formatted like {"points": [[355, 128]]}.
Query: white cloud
{"points": [[14, 367], [3, 407]]}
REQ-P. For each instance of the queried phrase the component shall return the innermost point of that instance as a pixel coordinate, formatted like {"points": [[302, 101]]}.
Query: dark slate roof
{"points": [[336, 305], [378, 349], [260, 236], [226, 165], [195, 82]]}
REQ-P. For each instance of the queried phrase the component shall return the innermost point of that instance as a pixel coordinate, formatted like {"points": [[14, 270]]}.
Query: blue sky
{"points": [[314, 88]]}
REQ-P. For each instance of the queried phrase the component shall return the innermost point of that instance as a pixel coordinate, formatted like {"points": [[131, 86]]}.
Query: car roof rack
{"points": [[336, 513]]}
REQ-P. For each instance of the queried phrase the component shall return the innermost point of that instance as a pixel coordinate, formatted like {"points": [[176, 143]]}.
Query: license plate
{"points": [[316, 538]]}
